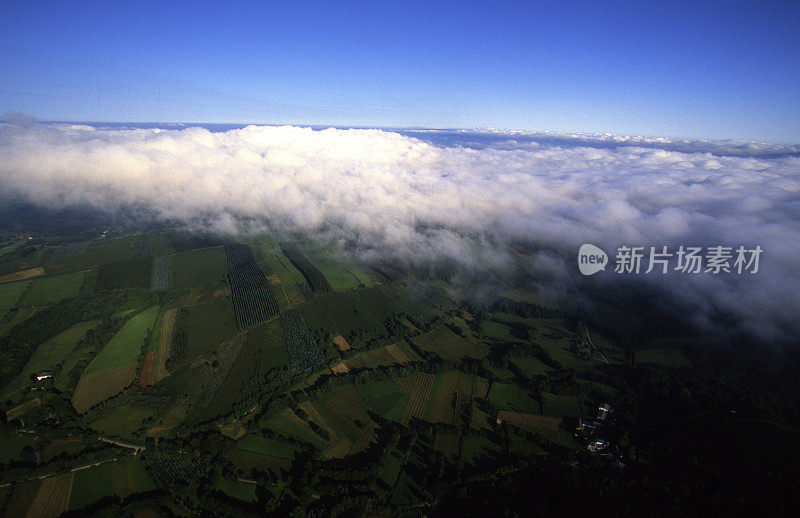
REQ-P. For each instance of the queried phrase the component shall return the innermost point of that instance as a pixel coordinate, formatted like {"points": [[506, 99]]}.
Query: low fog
{"points": [[444, 197]]}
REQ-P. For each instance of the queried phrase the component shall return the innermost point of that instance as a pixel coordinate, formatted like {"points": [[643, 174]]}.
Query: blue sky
{"points": [[694, 69]]}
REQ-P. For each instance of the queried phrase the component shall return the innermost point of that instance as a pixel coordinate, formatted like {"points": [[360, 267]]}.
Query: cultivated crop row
{"points": [[172, 470], [304, 353], [124, 274], [315, 278], [418, 386], [305, 289], [162, 273], [253, 299]]}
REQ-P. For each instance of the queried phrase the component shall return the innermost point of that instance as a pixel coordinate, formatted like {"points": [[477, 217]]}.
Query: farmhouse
{"points": [[44, 375]]}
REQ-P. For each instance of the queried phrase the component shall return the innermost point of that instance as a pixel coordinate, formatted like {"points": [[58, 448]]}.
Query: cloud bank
{"points": [[446, 196]]}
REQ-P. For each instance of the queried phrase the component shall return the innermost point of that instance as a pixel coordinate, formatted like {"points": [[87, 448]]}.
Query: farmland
{"points": [[250, 371], [304, 352], [315, 278], [253, 299], [340, 276], [125, 274], [127, 344], [418, 387], [164, 345], [450, 346], [198, 268], [96, 387], [49, 290], [161, 276], [10, 293], [22, 275]]}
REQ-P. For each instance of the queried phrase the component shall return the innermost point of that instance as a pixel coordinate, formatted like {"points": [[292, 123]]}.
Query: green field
{"points": [[563, 406], [384, 398], [339, 274], [92, 484], [530, 366], [288, 424], [449, 345], [49, 290], [14, 317], [99, 252], [235, 489], [278, 264], [264, 446], [200, 328], [10, 293], [55, 350], [126, 345], [122, 421], [198, 268], [505, 396]]}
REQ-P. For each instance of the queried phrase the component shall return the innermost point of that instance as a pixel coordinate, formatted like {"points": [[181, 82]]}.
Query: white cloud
{"points": [[391, 195]]}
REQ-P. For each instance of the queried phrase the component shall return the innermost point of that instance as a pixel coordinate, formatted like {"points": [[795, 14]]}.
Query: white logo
{"points": [[591, 259]]}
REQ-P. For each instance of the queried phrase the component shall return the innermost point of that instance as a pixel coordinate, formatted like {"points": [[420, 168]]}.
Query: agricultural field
{"points": [[52, 289], [530, 366], [90, 255], [91, 484], [163, 346], [122, 421], [418, 387], [451, 398], [449, 345], [563, 406], [10, 293], [253, 299], [339, 274], [304, 352], [161, 276], [506, 396], [22, 275], [246, 370], [127, 344], [136, 273], [199, 268], [54, 351], [264, 446], [243, 491], [288, 424], [314, 277], [53, 496], [96, 387], [199, 328]]}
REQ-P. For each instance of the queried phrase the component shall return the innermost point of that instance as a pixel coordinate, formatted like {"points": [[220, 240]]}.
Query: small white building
{"points": [[44, 375]]}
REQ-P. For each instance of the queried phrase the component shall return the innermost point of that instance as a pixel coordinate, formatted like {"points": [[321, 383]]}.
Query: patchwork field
{"points": [[451, 398], [52, 352]]}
